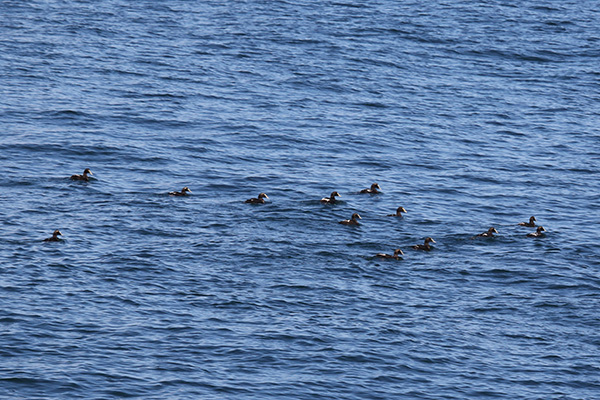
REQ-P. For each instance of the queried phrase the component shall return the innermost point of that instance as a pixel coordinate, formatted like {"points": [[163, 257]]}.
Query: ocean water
{"points": [[467, 114]]}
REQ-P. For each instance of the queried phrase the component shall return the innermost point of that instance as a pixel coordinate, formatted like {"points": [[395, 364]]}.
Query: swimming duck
{"points": [[372, 190], [331, 199], [530, 224], [352, 220], [538, 232], [396, 256], [426, 246], [398, 211], [183, 192], [258, 200], [54, 237], [83, 177], [490, 232]]}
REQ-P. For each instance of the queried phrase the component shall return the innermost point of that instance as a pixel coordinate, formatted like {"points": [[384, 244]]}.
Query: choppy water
{"points": [[468, 114]]}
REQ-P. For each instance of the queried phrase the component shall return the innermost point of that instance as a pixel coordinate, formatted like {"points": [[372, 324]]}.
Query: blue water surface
{"points": [[468, 114]]}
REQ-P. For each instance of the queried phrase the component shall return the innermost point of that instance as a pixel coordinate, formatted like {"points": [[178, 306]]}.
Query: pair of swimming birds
{"points": [[75, 177], [531, 224], [355, 217], [398, 252], [86, 177], [260, 199], [332, 197]]}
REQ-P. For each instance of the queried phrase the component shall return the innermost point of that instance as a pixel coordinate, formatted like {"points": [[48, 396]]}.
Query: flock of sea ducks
{"points": [[353, 220]]}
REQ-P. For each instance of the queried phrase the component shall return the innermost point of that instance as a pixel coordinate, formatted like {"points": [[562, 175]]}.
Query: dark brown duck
{"points": [[54, 237], [352, 221], [489, 233], [372, 189], [399, 212], [395, 256], [425, 246], [530, 224], [258, 200], [82, 177], [183, 192]]}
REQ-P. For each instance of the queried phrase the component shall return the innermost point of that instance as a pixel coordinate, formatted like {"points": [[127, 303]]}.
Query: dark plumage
{"points": [[538, 232], [352, 220], [54, 237], [399, 210], [530, 224], [331, 199], [426, 246], [396, 256], [372, 190], [83, 177], [258, 200], [183, 192], [490, 232]]}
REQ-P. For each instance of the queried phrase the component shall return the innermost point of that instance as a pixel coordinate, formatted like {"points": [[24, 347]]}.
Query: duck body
{"points": [[530, 224], [425, 246], [395, 256], [258, 200], [372, 189], [489, 233], [539, 232], [331, 199], [54, 237], [183, 192], [399, 212], [352, 220], [82, 177]]}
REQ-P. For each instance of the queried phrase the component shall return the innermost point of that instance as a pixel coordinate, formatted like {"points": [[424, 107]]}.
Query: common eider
{"points": [[331, 199], [538, 232], [490, 232], [183, 192], [396, 256], [352, 220], [83, 177], [54, 237], [372, 190], [399, 210], [426, 246], [258, 200], [530, 224]]}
